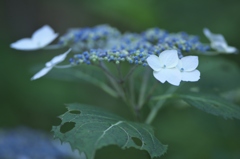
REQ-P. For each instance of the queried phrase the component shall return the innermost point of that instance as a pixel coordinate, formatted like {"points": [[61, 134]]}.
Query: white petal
{"points": [[221, 47], [41, 73], [173, 76], [49, 64], [44, 36], [188, 63], [218, 42], [24, 44], [192, 76], [159, 75], [214, 37], [40, 38], [58, 59], [154, 62], [230, 49], [169, 58]]}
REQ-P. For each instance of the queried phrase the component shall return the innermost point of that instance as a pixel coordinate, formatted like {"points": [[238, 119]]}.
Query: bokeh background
{"points": [[190, 133]]}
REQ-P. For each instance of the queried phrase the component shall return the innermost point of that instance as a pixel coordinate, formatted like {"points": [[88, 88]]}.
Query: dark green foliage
{"points": [[213, 105], [95, 128]]}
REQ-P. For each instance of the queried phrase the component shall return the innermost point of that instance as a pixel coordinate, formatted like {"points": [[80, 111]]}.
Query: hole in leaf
{"points": [[75, 112], [137, 141], [67, 127]]}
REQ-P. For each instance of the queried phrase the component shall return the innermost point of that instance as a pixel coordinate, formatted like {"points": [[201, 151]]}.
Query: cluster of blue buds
{"points": [[80, 39], [104, 43]]}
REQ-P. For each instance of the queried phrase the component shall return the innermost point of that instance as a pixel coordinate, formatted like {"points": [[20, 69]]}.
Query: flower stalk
{"points": [[161, 100]]}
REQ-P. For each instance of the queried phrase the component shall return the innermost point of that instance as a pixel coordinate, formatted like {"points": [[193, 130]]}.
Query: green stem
{"points": [[130, 72], [113, 80], [105, 69], [162, 99], [96, 82], [120, 85], [131, 90], [120, 73], [141, 98], [116, 87], [64, 66], [152, 89], [53, 47]]}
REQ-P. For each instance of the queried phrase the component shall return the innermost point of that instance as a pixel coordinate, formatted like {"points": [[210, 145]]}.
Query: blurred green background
{"points": [[190, 133]]}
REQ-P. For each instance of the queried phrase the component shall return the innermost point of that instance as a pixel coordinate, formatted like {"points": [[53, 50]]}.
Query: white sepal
{"points": [[169, 58], [159, 75], [154, 62], [218, 42], [172, 76], [59, 58], [192, 76], [41, 73], [188, 63], [40, 38], [50, 64]]}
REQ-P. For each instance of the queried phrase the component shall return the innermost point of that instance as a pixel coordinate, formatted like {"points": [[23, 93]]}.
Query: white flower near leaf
{"points": [[165, 67], [40, 38], [187, 66], [218, 42], [49, 65], [168, 67]]}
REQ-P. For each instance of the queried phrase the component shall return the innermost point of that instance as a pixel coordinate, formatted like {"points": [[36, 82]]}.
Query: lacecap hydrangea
{"points": [[105, 43]]}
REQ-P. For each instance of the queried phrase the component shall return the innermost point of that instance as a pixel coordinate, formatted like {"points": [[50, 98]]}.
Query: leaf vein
{"points": [[127, 136], [98, 116], [105, 131], [139, 134]]}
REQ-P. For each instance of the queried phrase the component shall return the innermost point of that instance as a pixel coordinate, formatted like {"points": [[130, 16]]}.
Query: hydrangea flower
{"points": [[40, 38], [165, 67], [168, 67], [218, 42], [105, 43], [50, 64]]}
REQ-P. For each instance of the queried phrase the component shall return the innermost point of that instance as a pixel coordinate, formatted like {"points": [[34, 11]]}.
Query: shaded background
{"points": [[189, 132]]}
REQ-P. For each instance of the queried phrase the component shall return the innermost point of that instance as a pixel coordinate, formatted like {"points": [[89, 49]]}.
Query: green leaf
{"points": [[96, 82], [90, 75], [218, 75], [213, 105], [93, 128]]}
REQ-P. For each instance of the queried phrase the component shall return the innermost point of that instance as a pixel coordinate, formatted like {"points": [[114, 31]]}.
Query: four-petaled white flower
{"points": [[218, 42], [40, 38], [49, 65], [168, 67], [164, 67]]}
